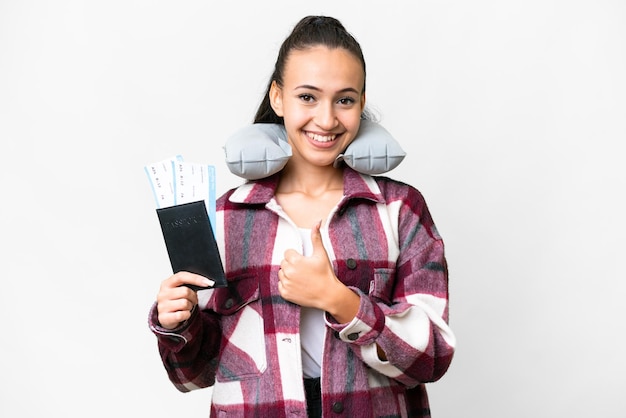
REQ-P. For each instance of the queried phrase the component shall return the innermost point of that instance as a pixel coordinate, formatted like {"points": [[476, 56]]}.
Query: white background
{"points": [[513, 116]]}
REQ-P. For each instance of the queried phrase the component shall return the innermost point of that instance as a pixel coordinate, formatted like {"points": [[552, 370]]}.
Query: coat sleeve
{"points": [[189, 353], [408, 319]]}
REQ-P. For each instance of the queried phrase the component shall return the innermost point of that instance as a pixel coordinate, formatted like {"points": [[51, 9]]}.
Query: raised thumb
{"points": [[316, 239]]}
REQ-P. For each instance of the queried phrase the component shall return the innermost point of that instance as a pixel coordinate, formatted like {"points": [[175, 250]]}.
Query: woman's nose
{"points": [[325, 117]]}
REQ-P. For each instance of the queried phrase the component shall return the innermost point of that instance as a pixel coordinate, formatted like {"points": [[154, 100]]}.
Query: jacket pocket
{"points": [[242, 353]]}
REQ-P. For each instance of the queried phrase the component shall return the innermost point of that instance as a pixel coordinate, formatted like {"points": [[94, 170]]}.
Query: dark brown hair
{"points": [[309, 32]]}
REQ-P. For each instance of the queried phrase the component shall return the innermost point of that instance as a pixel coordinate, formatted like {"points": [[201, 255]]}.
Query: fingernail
{"points": [[208, 282]]}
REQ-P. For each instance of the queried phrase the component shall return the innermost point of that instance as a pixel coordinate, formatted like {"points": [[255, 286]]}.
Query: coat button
{"points": [[229, 303], [338, 407], [354, 336], [351, 263]]}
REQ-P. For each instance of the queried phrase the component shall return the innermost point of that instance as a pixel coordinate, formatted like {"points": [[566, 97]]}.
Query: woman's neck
{"points": [[310, 180], [308, 193]]}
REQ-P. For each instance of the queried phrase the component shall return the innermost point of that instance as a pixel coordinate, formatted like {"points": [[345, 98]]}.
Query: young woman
{"points": [[337, 303]]}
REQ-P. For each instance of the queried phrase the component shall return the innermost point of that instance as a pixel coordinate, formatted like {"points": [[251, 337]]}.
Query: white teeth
{"points": [[321, 138]]}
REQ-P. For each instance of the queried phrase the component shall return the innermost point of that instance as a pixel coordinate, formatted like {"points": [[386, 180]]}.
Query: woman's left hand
{"points": [[311, 281]]}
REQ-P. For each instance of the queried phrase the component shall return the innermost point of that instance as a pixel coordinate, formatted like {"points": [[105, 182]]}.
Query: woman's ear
{"points": [[362, 102], [276, 99]]}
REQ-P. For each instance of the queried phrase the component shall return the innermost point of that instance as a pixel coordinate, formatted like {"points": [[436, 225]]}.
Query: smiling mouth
{"points": [[321, 138]]}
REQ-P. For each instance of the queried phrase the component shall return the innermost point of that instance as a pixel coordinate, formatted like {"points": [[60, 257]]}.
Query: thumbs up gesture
{"points": [[311, 281]]}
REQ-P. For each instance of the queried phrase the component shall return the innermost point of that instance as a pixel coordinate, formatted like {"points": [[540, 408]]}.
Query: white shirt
{"points": [[312, 325]]}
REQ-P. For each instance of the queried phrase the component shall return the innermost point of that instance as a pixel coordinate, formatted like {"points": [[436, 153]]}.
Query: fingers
{"points": [[291, 256], [283, 284], [185, 277], [175, 301], [172, 312]]}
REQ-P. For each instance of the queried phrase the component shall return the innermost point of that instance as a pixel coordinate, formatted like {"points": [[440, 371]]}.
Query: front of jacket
{"points": [[244, 340]]}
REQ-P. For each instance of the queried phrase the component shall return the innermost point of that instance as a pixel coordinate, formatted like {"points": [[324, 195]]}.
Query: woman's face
{"points": [[321, 101]]}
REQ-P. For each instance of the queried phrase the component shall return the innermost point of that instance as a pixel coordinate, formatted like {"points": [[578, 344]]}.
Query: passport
{"points": [[190, 241]]}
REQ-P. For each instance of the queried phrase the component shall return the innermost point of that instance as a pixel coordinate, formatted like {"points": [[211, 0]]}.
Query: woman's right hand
{"points": [[176, 301]]}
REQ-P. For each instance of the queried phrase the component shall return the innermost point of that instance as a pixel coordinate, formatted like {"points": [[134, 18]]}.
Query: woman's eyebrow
{"points": [[310, 87]]}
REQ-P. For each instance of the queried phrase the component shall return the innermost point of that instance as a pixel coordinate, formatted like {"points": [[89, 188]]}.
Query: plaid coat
{"points": [[244, 340]]}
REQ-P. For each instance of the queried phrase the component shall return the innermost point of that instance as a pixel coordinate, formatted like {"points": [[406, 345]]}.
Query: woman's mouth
{"points": [[321, 138]]}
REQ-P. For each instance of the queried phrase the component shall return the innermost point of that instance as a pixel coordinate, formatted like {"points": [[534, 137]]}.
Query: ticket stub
{"points": [[176, 182], [194, 182], [161, 176]]}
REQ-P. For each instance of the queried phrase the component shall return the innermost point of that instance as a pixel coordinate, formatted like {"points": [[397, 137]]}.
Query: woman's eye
{"points": [[306, 98], [346, 101]]}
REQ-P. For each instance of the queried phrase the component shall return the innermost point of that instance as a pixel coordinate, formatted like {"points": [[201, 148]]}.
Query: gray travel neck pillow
{"points": [[261, 149]]}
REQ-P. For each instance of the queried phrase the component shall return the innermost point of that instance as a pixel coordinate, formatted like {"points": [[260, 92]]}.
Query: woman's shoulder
{"points": [[392, 188]]}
